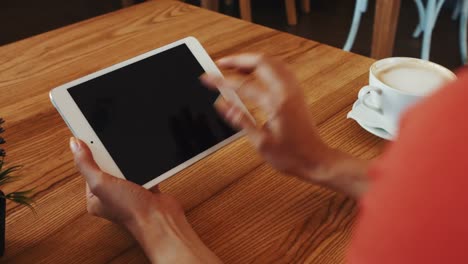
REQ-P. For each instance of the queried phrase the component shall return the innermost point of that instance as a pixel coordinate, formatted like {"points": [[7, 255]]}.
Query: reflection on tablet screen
{"points": [[152, 115]]}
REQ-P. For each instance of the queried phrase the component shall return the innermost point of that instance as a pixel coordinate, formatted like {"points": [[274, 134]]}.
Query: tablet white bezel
{"points": [[81, 129]]}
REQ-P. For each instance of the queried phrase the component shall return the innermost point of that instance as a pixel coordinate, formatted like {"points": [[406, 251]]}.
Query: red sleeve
{"points": [[416, 210]]}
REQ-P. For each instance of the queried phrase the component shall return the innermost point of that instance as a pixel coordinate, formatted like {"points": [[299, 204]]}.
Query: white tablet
{"points": [[149, 117]]}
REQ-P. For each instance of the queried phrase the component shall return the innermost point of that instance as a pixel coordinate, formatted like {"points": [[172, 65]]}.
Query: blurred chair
{"points": [[360, 8], [463, 26], [428, 15], [461, 12], [427, 18], [246, 10]]}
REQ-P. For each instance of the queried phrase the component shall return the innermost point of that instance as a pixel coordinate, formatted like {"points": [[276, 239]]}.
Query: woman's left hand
{"points": [[156, 220]]}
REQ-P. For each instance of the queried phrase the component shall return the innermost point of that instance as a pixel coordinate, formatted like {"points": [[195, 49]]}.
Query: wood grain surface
{"points": [[245, 211]]}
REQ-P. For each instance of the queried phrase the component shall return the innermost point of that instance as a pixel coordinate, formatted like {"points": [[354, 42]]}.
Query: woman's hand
{"points": [[289, 139], [156, 220]]}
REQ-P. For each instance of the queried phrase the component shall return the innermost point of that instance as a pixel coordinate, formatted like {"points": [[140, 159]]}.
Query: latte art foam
{"points": [[412, 77]]}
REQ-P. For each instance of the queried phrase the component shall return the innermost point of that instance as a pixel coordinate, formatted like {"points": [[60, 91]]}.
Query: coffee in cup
{"points": [[397, 83], [413, 76]]}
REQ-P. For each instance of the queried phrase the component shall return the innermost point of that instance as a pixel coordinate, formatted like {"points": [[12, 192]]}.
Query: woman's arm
{"points": [[289, 139]]}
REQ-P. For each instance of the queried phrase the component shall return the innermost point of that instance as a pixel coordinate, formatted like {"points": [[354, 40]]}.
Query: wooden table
{"points": [[385, 26], [245, 211]]}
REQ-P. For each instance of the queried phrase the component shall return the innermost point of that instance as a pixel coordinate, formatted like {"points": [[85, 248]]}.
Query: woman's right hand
{"points": [[289, 139]]}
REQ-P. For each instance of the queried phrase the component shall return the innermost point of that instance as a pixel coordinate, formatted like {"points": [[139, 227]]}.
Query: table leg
{"points": [[210, 4], [305, 4], [126, 3], [385, 25], [291, 12], [245, 10]]}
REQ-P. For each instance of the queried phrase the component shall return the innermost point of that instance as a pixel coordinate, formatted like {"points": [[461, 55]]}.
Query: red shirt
{"points": [[416, 210]]}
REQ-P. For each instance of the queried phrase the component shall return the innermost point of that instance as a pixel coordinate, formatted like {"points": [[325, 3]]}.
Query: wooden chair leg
{"points": [[126, 3], [245, 10], [291, 12], [305, 5], [210, 4], [385, 25]]}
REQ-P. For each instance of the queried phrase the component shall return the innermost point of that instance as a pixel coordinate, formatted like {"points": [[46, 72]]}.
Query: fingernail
{"points": [[217, 101], [74, 145], [220, 103], [207, 77], [220, 61]]}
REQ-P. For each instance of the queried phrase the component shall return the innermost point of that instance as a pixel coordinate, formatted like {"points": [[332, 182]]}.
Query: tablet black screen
{"points": [[152, 115]]}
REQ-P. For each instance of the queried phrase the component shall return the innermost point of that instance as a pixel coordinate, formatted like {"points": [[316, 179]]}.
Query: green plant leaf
{"points": [[24, 202], [9, 179], [5, 176], [20, 193], [21, 197], [10, 170]]}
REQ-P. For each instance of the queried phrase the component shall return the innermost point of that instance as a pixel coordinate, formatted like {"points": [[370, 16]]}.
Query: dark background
{"points": [[328, 23]]}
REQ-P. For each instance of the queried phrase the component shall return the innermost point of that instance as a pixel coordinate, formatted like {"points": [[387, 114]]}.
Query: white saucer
{"points": [[373, 130]]}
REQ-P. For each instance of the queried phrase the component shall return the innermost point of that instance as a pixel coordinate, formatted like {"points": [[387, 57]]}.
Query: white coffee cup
{"points": [[397, 83]]}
